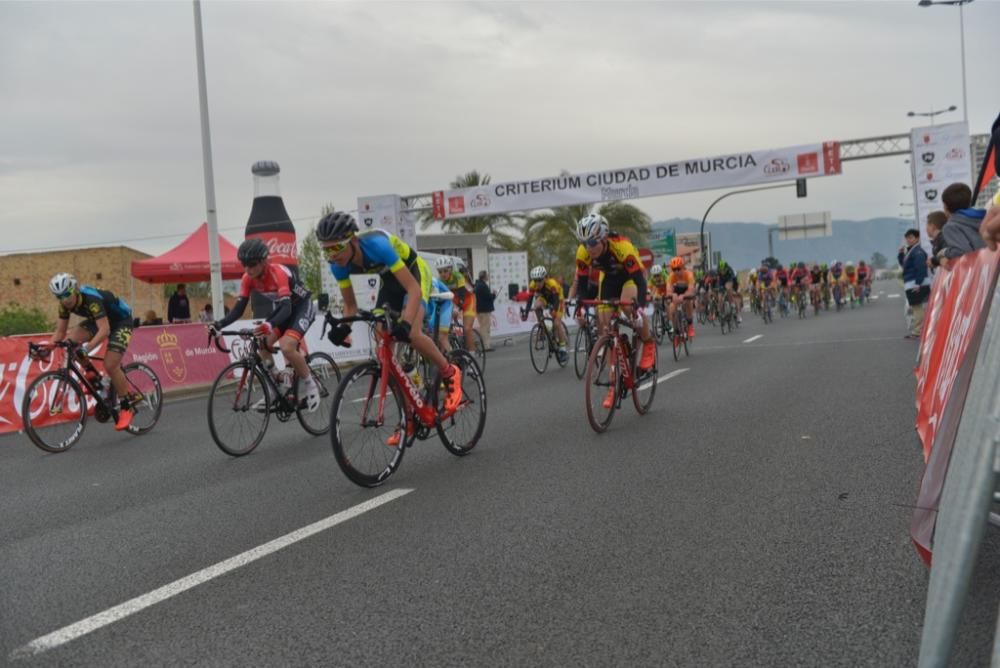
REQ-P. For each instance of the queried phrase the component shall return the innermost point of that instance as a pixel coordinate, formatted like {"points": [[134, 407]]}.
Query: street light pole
{"points": [[704, 252], [931, 114], [961, 28]]}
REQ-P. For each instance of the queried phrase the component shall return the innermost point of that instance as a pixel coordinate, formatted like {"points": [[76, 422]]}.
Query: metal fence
{"points": [[970, 490]]}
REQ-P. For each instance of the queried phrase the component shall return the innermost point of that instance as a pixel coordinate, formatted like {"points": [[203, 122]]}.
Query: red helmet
{"points": [[677, 263]]}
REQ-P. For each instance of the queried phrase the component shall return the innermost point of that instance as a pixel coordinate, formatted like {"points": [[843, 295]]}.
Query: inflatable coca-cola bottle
{"points": [[270, 221]]}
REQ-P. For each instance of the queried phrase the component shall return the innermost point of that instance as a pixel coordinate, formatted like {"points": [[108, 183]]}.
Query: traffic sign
{"points": [[646, 257]]}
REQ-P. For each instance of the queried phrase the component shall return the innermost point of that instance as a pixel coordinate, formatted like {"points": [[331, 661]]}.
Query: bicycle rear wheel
{"points": [[659, 325], [480, 350], [239, 408], [145, 396], [54, 411], [581, 350], [603, 383], [538, 344], [360, 437], [461, 432], [326, 375], [645, 381]]}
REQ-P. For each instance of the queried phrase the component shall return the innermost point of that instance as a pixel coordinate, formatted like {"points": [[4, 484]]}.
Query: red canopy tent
{"points": [[188, 261]]}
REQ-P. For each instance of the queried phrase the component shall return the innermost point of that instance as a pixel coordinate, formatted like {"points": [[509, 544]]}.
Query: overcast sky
{"points": [[99, 124]]}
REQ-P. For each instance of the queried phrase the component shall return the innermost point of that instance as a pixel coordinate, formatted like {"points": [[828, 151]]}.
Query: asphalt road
{"points": [[758, 516]]}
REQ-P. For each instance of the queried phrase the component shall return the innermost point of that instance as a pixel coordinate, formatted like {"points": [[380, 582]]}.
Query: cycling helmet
{"points": [[335, 226], [62, 284], [444, 262], [780, 266], [251, 251], [722, 265], [802, 265], [677, 263], [592, 227], [656, 270], [538, 273], [861, 263], [850, 265], [823, 267]]}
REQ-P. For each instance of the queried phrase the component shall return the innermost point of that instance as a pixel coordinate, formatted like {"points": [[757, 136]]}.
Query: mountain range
{"points": [[743, 245]]}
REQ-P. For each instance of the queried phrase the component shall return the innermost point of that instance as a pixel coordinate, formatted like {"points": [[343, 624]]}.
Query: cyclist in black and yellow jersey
{"points": [[622, 275], [546, 293], [406, 285], [105, 316]]}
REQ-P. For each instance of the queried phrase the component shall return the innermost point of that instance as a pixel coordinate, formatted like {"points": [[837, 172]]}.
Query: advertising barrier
{"points": [[953, 327]]}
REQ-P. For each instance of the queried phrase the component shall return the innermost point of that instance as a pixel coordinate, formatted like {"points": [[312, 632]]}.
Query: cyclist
{"points": [[657, 283], [291, 315], [864, 278], [679, 288], [730, 283], [442, 309], [752, 289], [799, 277], [406, 284], [105, 316], [837, 277], [547, 293], [765, 281], [465, 298], [816, 277], [781, 276], [851, 274], [622, 277]]}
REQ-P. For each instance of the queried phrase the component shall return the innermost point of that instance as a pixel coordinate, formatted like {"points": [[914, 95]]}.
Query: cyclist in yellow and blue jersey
{"points": [[546, 293], [465, 298], [406, 284]]}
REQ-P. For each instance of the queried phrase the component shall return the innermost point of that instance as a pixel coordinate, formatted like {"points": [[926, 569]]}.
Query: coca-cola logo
{"points": [[281, 248]]}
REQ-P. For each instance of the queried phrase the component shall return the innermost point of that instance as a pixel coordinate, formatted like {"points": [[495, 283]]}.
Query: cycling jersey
{"points": [[658, 286], [277, 282], [862, 273], [385, 254], [441, 307], [465, 299], [619, 265], [799, 275], [292, 311], [550, 294], [727, 275], [679, 281], [782, 276], [94, 304], [765, 277], [815, 275]]}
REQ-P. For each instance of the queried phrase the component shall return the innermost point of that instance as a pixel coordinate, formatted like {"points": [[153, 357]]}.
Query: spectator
{"points": [[935, 221], [916, 281], [206, 314], [151, 318], [484, 308], [179, 308], [961, 233]]}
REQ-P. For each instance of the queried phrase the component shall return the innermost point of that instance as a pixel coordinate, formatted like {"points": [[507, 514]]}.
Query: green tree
{"points": [[498, 226], [17, 319], [879, 261], [311, 261]]}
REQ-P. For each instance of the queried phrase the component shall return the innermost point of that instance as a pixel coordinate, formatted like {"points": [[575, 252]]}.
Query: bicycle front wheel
{"points": [[581, 350], [239, 409], [366, 433], [460, 432], [145, 395], [659, 326], [480, 350], [54, 411], [603, 387], [326, 375], [538, 344]]}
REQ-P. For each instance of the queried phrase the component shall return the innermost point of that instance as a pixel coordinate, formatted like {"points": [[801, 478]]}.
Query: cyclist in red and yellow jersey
{"points": [[680, 288], [546, 293]]}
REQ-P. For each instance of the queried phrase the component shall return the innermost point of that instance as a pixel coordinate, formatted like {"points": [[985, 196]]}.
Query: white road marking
{"points": [[894, 296], [647, 385], [753, 338], [123, 610]]}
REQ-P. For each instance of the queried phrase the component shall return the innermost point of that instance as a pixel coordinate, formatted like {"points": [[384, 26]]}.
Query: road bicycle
{"points": [[246, 394], [456, 337], [542, 344], [727, 314], [782, 303], [56, 404], [659, 324], [799, 300], [613, 369], [767, 309], [679, 332], [378, 412], [586, 335]]}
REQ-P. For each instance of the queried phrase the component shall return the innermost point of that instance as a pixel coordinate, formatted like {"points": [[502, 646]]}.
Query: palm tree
{"points": [[494, 224]]}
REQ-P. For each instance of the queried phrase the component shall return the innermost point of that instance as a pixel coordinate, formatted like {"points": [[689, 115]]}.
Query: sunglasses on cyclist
{"points": [[252, 264], [64, 295], [336, 247], [590, 243]]}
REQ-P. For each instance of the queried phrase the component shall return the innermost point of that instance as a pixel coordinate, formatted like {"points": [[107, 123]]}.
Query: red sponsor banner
{"points": [[808, 163], [831, 157], [179, 354], [281, 246], [953, 326], [437, 204], [456, 204]]}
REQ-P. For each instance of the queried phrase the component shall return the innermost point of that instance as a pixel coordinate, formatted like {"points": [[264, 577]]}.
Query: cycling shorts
{"points": [[391, 292], [611, 288], [558, 310], [468, 305], [296, 324], [118, 337]]}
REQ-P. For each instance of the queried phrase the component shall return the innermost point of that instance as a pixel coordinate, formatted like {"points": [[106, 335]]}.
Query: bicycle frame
{"points": [[617, 321], [73, 368], [252, 354]]}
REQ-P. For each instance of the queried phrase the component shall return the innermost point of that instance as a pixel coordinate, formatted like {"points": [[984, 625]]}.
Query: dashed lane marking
{"points": [[753, 338], [672, 374]]}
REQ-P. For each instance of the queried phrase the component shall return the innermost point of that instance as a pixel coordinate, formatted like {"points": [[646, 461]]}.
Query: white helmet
{"points": [[592, 227], [656, 270], [444, 262], [538, 273], [61, 284]]}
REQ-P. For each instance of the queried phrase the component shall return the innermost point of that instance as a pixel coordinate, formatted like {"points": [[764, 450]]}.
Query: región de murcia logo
{"points": [[172, 356]]}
